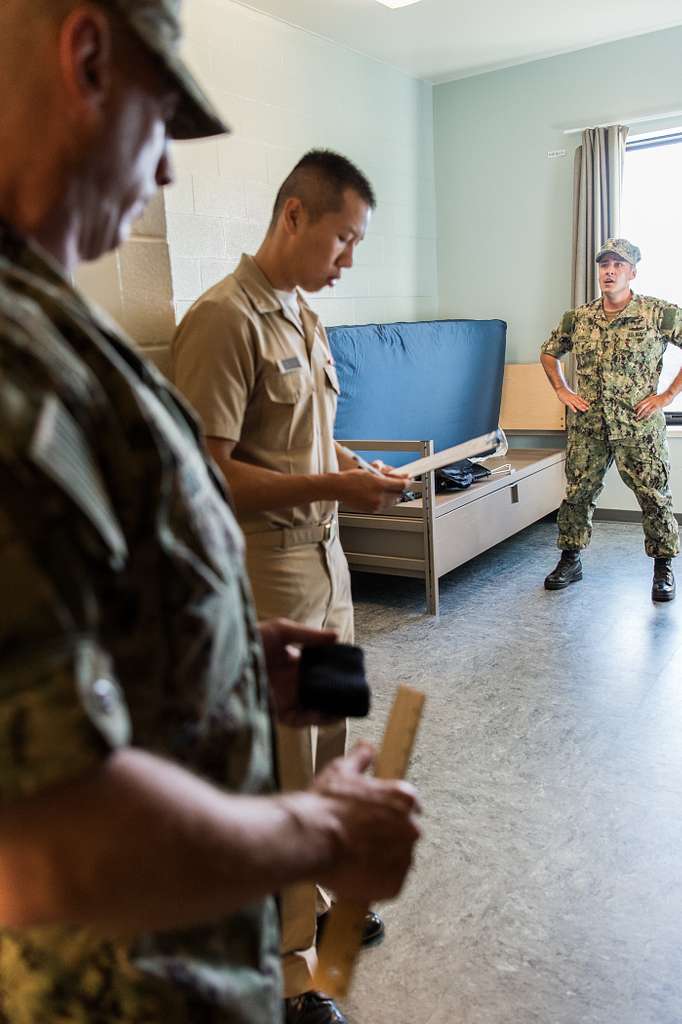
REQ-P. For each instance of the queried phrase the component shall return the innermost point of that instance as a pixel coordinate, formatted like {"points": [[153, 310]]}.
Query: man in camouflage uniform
{"points": [[139, 837], [616, 415]]}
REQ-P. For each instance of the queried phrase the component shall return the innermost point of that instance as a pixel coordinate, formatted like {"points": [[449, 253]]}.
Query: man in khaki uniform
{"points": [[254, 360]]}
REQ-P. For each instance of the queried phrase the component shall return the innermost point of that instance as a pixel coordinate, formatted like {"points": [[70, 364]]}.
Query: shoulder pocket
{"points": [[568, 322], [59, 448], [669, 320]]}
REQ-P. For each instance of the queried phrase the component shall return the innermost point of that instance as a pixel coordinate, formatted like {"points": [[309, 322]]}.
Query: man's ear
{"points": [[634, 272], [293, 215], [85, 57]]}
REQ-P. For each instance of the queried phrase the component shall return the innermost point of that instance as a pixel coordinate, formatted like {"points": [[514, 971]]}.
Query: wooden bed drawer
{"points": [[406, 542], [473, 528]]}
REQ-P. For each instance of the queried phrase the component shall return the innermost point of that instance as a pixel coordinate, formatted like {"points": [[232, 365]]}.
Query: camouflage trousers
{"points": [[644, 468]]}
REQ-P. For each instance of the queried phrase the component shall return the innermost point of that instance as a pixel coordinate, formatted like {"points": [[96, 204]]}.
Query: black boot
{"points": [[312, 1008], [663, 587], [372, 928], [569, 569]]}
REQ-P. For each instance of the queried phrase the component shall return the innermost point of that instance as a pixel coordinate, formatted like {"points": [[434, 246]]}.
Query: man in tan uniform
{"points": [[254, 360]]}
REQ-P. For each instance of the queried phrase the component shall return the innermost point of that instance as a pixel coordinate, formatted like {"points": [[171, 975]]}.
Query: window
{"points": [[652, 219]]}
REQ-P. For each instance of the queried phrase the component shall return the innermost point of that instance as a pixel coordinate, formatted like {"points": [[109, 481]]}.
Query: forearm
{"points": [[143, 844], [256, 489], [554, 371]]}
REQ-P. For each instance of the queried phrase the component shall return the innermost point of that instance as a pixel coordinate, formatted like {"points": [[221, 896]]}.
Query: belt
{"points": [[293, 536]]}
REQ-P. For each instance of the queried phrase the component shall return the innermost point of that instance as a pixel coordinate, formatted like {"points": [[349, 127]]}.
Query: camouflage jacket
{"points": [[618, 363], [125, 617]]}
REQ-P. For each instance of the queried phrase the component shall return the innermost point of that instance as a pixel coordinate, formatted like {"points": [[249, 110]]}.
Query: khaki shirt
{"points": [[255, 378], [618, 364], [125, 617]]}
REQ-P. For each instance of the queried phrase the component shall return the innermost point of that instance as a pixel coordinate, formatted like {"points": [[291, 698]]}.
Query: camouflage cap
{"points": [[619, 247], [157, 24]]}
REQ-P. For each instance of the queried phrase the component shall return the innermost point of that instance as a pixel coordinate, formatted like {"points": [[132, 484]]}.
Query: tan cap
{"points": [[157, 24]]}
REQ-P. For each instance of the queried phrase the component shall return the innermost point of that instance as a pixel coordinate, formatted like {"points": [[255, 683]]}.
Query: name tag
{"points": [[289, 364]]}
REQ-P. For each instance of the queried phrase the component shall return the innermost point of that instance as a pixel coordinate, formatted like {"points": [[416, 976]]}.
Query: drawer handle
{"points": [[515, 494]]}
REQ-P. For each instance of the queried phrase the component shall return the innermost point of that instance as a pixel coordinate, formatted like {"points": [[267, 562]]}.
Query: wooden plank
{"points": [[466, 450], [343, 934], [528, 400]]}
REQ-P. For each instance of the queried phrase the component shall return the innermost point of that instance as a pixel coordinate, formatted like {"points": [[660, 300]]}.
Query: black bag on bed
{"points": [[460, 475]]}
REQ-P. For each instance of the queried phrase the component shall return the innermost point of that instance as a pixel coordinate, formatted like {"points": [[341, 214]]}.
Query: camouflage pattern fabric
{"points": [[618, 364], [619, 247], [125, 616], [643, 468]]}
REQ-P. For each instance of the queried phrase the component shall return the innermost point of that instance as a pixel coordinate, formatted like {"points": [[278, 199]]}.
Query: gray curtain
{"points": [[597, 192]]}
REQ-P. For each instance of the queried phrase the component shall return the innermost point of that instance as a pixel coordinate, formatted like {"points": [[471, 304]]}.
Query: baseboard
{"points": [[623, 515]]}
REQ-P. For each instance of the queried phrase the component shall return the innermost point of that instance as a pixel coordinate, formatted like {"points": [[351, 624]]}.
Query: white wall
{"points": [[285, 91]]}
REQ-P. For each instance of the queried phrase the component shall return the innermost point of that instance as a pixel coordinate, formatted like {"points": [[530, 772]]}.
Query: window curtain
{"points": [[597, 192]]}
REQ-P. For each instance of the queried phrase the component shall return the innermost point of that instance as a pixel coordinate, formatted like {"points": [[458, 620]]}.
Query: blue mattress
{"points": [[436, 379]]}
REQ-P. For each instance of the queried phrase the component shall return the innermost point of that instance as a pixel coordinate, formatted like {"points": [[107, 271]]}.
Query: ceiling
{"points": [[440, 40]]}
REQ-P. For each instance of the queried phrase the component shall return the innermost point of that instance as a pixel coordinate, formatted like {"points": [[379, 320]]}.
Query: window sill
{"points": [[674, 431]]}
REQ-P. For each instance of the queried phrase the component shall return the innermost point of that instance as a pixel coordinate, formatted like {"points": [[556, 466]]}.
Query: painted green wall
{"points": [[504, 209]]}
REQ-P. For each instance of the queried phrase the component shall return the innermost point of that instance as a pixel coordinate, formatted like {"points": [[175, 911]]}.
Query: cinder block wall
{"points": [[134, 283], [283, 91]]}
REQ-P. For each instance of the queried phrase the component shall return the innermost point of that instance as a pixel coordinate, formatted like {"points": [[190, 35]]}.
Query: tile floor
{"points": [[548, 888]]}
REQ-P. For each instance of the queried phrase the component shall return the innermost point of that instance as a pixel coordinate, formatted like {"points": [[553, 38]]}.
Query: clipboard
{"points": [[465, 450]]}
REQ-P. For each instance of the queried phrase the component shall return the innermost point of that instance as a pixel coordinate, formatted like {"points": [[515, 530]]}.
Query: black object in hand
{"points": [[332, 681]]}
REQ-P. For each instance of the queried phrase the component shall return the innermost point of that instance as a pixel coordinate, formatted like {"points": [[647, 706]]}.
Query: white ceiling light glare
{"points": [[393, 4]]}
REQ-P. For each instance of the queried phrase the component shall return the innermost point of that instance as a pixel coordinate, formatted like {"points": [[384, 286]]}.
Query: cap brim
{"points": [[196, 117], [612, 252]]}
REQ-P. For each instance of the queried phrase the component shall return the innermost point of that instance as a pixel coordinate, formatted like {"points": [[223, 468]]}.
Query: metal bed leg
{"points": [[428, 511]]}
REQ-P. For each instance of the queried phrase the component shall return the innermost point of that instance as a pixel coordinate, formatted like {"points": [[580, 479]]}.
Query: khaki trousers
{"points": [[309, 583]]}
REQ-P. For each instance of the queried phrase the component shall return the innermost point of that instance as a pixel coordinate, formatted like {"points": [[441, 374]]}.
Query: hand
{"points": [[391, 471], [648, 406], [366, 492], [374, 824], [571, 399], [281, 659]]}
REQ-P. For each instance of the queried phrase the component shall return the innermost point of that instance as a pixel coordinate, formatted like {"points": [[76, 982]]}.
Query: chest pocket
{"points": [[636, 348], [288, 420], [586, 347]]}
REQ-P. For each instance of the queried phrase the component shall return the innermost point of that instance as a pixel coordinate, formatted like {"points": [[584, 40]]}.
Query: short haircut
{"points": [[319, 180]]}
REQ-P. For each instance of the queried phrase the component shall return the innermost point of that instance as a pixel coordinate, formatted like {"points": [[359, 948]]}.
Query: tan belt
{"points": [[293, 537]]}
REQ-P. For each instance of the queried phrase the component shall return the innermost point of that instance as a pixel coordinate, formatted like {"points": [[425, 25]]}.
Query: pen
{"points": [[361, 463]]}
